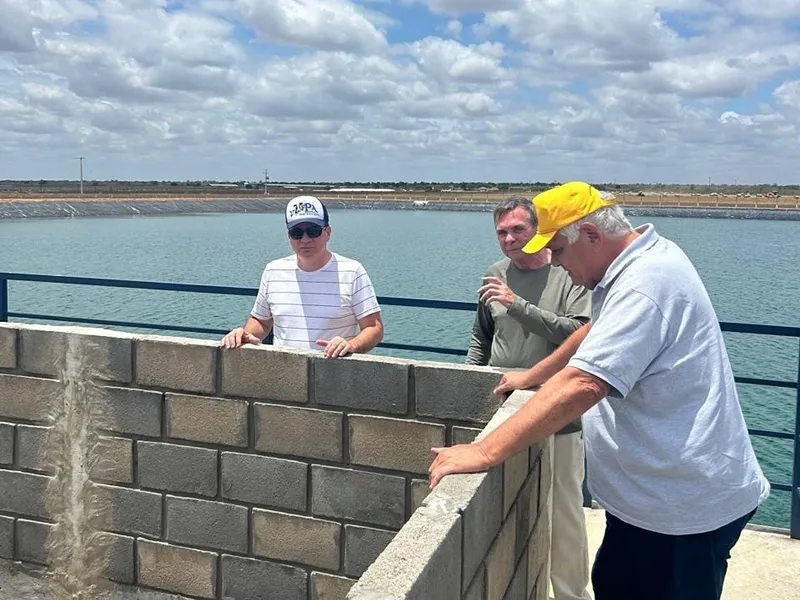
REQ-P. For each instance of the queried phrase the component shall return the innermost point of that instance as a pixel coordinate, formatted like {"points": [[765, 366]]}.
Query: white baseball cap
{"points": [[306, 209]]}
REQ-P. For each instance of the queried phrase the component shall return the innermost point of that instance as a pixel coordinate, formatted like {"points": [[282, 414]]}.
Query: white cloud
{"points": [[318, 24], [454, 28], [342, 89], [449, 60]]}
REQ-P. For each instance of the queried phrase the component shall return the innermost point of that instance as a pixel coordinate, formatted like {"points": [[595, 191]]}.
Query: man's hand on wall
{"points": [[495, 290], [336, 347]]}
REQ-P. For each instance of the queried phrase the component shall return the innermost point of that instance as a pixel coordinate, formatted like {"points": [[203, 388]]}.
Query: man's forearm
{"points": [[367, 339], [257, 327], [548, 367], [564, 398]]}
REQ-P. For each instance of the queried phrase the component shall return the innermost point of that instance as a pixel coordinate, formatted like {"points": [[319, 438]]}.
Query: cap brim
{"points": [[538, 242], [319, 222]]}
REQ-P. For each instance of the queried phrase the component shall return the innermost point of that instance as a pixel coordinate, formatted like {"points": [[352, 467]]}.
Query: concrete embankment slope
{"points": [[139, 207]]}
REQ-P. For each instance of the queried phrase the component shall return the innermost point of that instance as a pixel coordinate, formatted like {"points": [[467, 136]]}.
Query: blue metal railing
{"points": [[773, 330]]}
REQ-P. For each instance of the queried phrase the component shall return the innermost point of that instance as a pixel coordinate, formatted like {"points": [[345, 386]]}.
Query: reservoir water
{"points": [[751, 269]]}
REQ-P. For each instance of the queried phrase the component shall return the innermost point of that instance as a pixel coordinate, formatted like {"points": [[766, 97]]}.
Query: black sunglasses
{"points": [[313, 231]]}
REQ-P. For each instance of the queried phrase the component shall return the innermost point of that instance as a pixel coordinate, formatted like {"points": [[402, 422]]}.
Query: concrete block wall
{"points": [[244, 474], [483, 536]]}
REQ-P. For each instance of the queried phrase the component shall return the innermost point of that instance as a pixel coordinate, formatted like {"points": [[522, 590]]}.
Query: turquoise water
{"points": [[751, 269]]}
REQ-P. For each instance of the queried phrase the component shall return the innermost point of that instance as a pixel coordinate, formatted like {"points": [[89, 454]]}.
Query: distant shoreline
{"points": [[79, 208]]}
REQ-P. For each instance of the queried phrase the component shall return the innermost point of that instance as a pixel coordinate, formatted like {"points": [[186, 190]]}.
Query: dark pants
{"points": [[635, 563]]}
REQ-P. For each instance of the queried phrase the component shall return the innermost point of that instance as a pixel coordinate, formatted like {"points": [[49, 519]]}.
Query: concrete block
{"points": [[7, 537], [357, 495], [175, 569], [177, 468], [250, 579], [533, 510], [482, 519], [500, 560], [23, 493], [210, 420], [542, 588], [116, 460], [456, 392], [464, 435], [134, 512], [28, 398], [519, 582], [8, 347], [121, 564], [293, 538], [420, 488], [273, 482], [362, 545], [32, 542], [329, 587], [266, 373], [43, 352], [477, 589], [537, 571], [423, 561], [209, 524], [31, 447], [393, 443], [539, 545], [515, 471], [132, 411], [362, 382], [6, 443], [177, 365], [305, 432], [546, 472], [523, 509]]}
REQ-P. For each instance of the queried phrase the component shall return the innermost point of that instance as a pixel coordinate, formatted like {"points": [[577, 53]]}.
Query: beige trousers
{"points": [[569, 548]]}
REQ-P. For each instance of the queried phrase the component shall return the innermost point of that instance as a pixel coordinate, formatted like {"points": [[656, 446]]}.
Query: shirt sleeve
{"points": [[480, 342], [261, 308], [364, 301], [629, 334], [552, 327]]}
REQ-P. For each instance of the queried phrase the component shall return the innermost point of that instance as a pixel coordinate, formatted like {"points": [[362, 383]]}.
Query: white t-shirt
{"points": [[668, 449], [309, 305]]}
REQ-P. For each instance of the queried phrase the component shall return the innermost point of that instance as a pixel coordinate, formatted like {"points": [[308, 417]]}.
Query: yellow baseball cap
{"points": [[560, 206]]}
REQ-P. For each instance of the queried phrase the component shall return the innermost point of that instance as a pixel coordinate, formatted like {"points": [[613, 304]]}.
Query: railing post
{"points": [[3, 299], [794, 528]]}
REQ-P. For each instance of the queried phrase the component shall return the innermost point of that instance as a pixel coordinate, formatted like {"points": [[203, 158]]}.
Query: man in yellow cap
{"points": [[663, 428]]}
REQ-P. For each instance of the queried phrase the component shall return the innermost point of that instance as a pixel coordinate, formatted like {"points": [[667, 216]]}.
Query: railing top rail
{"points": [[729, 326]]}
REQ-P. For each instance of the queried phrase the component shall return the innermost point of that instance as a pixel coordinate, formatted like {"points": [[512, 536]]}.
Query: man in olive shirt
{"points": [[527, 308]]}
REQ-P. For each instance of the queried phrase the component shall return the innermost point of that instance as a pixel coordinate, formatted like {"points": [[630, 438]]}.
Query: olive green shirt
{"points": [[546, 310]]}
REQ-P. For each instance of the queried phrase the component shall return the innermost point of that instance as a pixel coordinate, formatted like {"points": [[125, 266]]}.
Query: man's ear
{"points": [[592, 232]]}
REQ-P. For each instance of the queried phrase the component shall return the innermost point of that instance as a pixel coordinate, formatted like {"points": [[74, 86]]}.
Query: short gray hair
{"points": [[609, 219], [514, 202]]}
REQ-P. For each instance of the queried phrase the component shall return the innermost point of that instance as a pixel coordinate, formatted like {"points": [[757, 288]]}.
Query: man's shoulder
{"points": [[345, 263], [283, 263], [498, 268]]}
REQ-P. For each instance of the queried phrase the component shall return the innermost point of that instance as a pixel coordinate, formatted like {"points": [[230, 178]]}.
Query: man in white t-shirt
{"points": [[667, 449], [314, 298]]}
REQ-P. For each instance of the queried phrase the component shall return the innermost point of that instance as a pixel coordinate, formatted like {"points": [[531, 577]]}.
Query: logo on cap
{"points": [[303, 209]]}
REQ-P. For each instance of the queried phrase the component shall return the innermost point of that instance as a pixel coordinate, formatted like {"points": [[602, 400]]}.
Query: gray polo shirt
{"points": [[668, 450]]}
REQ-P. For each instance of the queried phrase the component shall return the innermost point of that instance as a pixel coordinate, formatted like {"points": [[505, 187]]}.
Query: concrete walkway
{"points": [[763, 565]]}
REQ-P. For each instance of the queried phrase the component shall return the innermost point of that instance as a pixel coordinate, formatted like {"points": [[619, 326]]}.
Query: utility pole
{"points": [[266, 179], [80, 158]]}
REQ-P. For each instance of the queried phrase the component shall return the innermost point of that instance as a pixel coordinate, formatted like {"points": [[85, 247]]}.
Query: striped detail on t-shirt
{"points": [[309, 305]]}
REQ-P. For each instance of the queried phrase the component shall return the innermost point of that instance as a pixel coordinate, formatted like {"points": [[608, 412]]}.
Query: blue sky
{"points": [[367, 90]]}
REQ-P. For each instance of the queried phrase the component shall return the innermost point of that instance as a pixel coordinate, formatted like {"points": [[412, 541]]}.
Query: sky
{"points": [[672, 91]]}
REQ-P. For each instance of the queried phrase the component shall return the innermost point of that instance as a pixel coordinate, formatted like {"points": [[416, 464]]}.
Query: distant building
{"points": [[362, 190]]}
